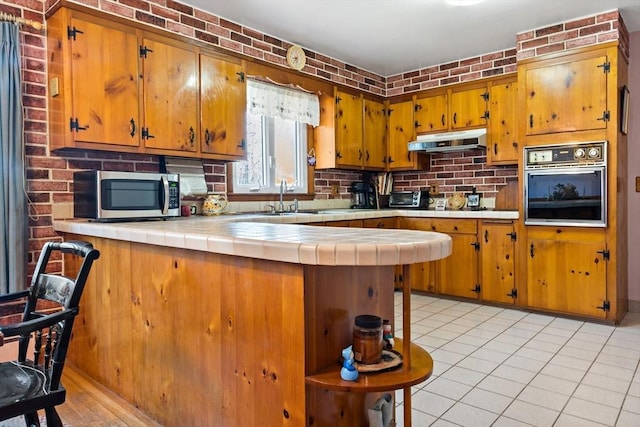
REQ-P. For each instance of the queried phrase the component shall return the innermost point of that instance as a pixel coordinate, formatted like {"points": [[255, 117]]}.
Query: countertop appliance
{"points": [[363, 195], [566, 184], [409, 199], [114, 196]]}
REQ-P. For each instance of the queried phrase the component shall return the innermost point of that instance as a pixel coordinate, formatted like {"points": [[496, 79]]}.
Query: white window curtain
{"points": [[270, 100]]}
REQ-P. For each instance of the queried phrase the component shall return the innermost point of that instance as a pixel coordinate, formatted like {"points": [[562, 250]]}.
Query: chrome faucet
{"points": [[283, 188]]}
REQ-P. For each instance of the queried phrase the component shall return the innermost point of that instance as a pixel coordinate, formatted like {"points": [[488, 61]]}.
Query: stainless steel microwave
{"points": [[112, 196]]}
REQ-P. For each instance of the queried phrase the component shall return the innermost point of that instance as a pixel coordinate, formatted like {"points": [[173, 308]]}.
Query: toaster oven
{"points": [[409, 199]]}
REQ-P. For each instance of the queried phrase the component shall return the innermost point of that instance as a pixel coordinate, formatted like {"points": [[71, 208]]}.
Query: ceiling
{"points": [[393, 36]]}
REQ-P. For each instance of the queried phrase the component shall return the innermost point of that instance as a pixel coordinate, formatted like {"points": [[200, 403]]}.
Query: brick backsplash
{"points": [[458, 172], [49, 175]]}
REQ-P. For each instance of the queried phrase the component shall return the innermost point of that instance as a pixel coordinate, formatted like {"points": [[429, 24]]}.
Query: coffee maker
{"points": [[363, 195]]}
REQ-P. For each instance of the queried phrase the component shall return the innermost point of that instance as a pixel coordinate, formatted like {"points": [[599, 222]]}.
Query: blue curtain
{"points": [[13, 206]]}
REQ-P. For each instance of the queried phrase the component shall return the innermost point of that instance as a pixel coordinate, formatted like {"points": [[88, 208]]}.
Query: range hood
{"points": [[450, 141]]}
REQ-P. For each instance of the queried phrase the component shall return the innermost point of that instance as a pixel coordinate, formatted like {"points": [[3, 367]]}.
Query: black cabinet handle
{"points": [[192, 135], [132, 127], [455, 118], [442, 120], [486, 236], [531, 121], [531, 250]]}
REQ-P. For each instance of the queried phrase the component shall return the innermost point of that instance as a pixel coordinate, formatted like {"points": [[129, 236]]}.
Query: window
{"points": [[277, 124], [276, 150]]}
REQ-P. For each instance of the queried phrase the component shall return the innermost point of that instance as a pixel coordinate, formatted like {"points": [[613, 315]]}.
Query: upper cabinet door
{"points": [[170, 96], [502, 144], [401, 132], [567, 96], [223, 100], [469, 108], [431, 114], [349, 128], [104, 82], [375, 135]]}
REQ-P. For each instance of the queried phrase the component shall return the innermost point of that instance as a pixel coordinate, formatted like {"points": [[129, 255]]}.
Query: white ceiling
{"points": [[393, 36]]}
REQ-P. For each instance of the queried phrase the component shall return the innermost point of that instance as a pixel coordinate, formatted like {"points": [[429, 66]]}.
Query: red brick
{"points": [[594, 29], [551, 48], [119, 9], [579, 23]]}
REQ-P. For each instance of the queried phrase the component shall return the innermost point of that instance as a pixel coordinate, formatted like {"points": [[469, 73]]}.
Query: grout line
{"points": [[513, 323]]}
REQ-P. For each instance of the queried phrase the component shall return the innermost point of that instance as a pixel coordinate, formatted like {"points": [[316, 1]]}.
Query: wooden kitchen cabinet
{"points": [[352, 133], [502, 135], [566, 271], [223, 99], [349, 127], [94, 84], [497, 259], [387, 223], [460, 107], [431, 112], [401, 131], [170, 75], [375, 135], [566, 94], [456, 275], [469, 107]]}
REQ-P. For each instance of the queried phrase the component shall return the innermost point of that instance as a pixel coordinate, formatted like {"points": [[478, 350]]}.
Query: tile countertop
{"points": [[280, 238]]}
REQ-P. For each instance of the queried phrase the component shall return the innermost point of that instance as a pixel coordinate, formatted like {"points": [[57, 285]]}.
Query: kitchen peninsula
{"points": [[227, 321]]}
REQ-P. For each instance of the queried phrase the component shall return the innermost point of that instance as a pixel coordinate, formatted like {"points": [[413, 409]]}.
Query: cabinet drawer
{"points": [[449, 226]]}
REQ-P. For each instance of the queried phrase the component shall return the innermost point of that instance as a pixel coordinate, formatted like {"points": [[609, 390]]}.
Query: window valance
{"points": [[276, 101]]}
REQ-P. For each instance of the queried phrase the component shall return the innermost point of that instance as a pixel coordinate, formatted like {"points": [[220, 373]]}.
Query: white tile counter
{"points": [[281, 238]]}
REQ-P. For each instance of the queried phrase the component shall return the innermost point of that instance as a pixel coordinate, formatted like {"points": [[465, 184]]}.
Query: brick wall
{"points": [[49, 174], [459, 172], [464, 70], [586, 31]]}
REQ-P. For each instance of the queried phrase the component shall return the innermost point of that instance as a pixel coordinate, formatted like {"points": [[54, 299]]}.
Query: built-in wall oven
{"points": [[566, 184]]}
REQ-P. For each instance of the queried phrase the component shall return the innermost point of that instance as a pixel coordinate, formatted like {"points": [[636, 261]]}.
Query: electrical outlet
{"points": [[433, 189], [335, 191]]}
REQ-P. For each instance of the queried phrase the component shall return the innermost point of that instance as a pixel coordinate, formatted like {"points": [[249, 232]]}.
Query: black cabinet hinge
{"points": [[71, 32], [144, 132], [606, 306], [606, 67], [606, 255], [606, 116], [143, 51], [513, 294], [242, 145], [476, 289], [240, 75], [513, 235], [485, 96], [476, 245], [338, 99], [74, 126], [485, 115]]}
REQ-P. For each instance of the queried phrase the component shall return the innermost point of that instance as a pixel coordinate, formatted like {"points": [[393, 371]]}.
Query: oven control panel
{"points": [[588, 153]]}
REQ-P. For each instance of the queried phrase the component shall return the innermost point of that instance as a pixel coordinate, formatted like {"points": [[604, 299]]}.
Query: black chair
{"points": [[27, 386]]}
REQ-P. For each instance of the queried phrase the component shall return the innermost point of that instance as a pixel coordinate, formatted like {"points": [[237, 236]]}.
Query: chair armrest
{"points": [[14, 296], [33, 325]]}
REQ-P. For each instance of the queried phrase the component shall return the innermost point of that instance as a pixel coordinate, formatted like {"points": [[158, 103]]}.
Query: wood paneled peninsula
{"points": [[229, 321]]}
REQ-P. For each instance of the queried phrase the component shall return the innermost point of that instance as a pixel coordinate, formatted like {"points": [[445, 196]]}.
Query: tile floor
{"points": [[503, 367]]}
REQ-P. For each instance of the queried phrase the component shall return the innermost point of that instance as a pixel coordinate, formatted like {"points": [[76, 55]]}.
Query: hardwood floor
{"points": [[90, 404]]}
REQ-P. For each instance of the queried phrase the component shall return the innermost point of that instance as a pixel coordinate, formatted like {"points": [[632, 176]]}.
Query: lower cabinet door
{"points": [[498, 266], [458, 273], [567, 276]]}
